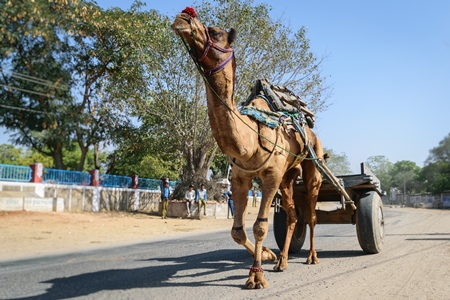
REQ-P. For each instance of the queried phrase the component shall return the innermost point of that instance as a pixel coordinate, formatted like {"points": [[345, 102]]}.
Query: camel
{"points": [[269, 158]]}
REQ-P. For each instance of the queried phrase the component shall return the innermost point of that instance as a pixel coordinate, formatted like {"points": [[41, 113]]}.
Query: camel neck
{"points": [[228, 129]]}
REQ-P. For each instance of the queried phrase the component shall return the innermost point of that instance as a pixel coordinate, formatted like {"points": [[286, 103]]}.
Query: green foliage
{"points": [[9, 154], [31, 156], [35, 78], [134, 161], [62, 79], [436, 174], [75, 73], [436, 177], [441, 152], [405, 176], [17, 156], [219, 167], [381, 167], [338, 163], [173, 115]]}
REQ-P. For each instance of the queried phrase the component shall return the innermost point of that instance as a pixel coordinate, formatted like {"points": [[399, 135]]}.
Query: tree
{"points": [[404, 176], [74, 72], [436, 173], [132, 158], [267, 48], [9, 154], [337, 163], [24, 157], [441, 152], [33, 76], [69, 72], [436, 177], [175, 108], [381, 167], [107, 49]]}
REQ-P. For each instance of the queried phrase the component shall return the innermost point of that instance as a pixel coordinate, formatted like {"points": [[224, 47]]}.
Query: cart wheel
{"points": [[280, 230], [370, 222]]}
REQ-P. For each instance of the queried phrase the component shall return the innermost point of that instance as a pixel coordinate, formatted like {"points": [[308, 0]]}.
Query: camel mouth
{"points": [[181, 24]]}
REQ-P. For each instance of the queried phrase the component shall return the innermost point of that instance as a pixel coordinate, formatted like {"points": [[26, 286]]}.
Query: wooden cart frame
{"points": [[357, 200]]}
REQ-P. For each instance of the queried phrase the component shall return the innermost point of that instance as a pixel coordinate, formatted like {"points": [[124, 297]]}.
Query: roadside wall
{"points": [[67, 198]]}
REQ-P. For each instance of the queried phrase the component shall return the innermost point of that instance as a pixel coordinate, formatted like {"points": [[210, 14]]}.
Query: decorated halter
{"points": [[209, 44]]}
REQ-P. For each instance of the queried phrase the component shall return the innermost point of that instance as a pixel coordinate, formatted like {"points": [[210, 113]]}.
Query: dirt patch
{"points": [[28, 234]]}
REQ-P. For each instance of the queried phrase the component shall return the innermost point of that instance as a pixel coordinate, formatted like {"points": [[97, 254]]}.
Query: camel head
{"points": [[209, 46]]}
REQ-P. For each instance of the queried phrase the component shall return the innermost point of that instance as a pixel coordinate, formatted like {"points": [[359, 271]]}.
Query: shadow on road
{"points": [[216, 262]]}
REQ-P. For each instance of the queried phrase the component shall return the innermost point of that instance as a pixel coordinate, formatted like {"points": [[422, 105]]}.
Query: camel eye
{"points": [[214, 33]]}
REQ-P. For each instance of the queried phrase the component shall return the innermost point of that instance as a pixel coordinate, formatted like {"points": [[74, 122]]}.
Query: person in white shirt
{"points": [[189, 196], [201, 199]]}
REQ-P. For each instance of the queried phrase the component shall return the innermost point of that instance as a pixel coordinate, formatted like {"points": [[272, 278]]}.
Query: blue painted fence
{"points": [[115, 181], [15, 173], [55, 176], [66, 177], [149, 184]]}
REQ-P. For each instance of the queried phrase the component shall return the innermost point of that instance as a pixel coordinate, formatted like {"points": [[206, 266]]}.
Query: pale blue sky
{"points": [[388, 62]]}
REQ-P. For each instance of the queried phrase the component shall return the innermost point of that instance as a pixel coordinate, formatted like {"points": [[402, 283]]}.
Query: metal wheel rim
{"points": [[381, 221]]}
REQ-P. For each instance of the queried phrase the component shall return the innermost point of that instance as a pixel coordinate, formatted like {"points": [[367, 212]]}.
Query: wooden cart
{"points": [[364, 209]]}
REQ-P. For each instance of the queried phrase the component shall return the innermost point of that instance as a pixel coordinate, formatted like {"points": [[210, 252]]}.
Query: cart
{"points": [[357, 201]]}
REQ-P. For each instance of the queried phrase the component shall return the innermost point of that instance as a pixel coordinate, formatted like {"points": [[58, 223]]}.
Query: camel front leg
{"points": [[239, 194], [238, 232], [260, 228]]}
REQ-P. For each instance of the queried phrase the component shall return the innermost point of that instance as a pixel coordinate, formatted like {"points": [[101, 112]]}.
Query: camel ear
{"points": [[231, 36]]}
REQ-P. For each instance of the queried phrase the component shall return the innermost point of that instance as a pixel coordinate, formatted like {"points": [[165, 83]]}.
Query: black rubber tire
{"points": [[280, 230], [370, 222]]}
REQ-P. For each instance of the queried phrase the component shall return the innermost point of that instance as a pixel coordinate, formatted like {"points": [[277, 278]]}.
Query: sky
{"points": [[388, 62]]}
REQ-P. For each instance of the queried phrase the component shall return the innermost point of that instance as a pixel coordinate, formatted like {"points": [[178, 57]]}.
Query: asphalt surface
{"points": [[213, 266]]}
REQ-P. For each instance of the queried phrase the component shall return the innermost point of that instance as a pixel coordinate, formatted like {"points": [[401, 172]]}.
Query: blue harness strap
{"points": [[268, 118]]}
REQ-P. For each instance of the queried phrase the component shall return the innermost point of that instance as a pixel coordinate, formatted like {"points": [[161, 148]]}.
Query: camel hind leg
{"points": [[312, 181], [287, 191]]}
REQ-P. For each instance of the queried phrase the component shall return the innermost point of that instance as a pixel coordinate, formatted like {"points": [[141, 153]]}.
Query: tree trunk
{"points": [[195, 172], [58, 158], [96, 151]]}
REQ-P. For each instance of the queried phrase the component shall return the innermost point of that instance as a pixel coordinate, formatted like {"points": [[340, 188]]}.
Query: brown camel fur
{"points": [[237, 137]]}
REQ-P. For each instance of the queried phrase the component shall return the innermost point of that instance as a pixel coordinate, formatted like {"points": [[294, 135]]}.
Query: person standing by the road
{"points": [[165, 195], [201, 199], [163, 181], [255, 196], [229, 197], [189, 196]]}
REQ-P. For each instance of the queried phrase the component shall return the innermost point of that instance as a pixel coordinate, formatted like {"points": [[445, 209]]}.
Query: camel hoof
{"points": [[249, 285], [281, 264], [310, 261], [268, 254], [278, 269], [256, 279]]}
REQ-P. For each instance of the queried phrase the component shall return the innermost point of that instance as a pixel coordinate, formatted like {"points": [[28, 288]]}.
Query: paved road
{"points": [[414, 264]]}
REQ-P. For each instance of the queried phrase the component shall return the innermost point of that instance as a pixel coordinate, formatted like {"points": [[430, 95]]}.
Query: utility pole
{"points": [[404, 189]]}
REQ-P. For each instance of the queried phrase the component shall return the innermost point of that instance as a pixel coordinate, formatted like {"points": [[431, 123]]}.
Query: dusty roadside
{"points": [[26, 234]]}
